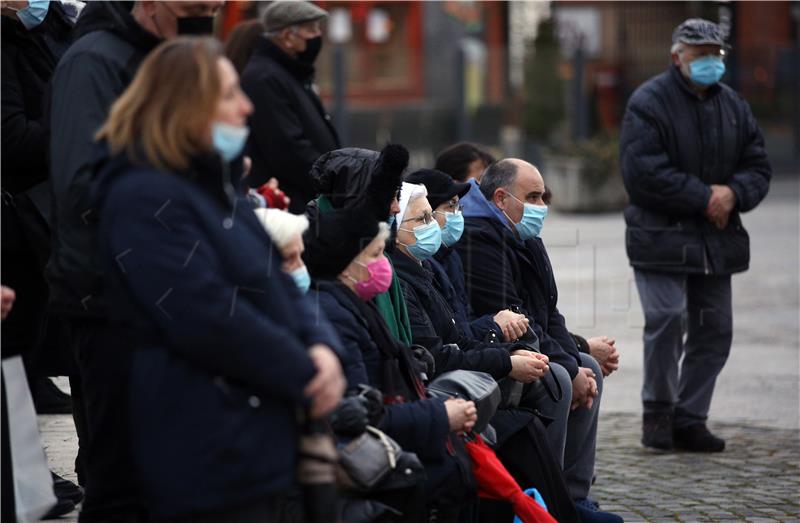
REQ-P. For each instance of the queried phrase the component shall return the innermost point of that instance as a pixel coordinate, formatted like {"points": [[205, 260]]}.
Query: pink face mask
{"points": [[379, 281]]}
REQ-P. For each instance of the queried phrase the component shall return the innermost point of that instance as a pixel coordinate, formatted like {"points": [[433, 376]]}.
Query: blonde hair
{"points": [[282, 226], [166, 112]]}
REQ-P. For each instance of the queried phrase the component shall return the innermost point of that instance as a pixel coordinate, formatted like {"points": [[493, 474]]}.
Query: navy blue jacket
{"points": [[94, 71], [502, 271], [673, 146], [448, 274], [418, 426], [433, 324], [220, 336]]}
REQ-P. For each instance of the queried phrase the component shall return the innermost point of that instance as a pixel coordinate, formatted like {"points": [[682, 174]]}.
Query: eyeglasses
{"points": [[425, 218], [452, 206]]}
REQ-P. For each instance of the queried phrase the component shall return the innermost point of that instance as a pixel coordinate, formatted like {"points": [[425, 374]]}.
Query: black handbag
{"points": [[478, 387], [374, 461]]}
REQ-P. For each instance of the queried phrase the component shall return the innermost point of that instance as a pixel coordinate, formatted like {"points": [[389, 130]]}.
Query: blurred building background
{"points": [[535, 78]]}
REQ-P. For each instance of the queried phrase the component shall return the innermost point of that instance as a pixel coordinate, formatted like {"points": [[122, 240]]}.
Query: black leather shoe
{"points": [[657, 430], [48, 398], [64, 506], [697, 438], [65, 489]]}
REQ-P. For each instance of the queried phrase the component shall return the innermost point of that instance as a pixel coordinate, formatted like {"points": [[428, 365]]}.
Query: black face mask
{"points": [[313, 47], [195, 25]]}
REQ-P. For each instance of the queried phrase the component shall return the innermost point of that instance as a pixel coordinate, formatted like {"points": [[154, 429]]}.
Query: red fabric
{"points": [[495, 482], [275, 198]]}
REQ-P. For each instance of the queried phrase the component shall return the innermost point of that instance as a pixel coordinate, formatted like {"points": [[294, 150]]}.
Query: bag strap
{"points": [[387, 444]]}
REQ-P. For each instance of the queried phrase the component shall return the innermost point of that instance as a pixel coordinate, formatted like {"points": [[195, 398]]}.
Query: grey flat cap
{"points": [[284, 13], [697, 31]]}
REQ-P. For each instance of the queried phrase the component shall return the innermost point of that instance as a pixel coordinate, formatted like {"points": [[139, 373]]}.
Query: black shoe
{"points": [[65, 489], [589, 512], [657, 430], [697, 438], [48, 398], [64, 506]]}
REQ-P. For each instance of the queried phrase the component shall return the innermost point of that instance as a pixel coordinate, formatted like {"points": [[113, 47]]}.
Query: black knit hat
{"points": [[441, 187], [335, 239]]}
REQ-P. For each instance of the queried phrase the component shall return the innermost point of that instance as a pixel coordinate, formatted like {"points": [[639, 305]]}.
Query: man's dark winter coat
{"points": [[673, 146], [95, 70], [29, 59], [502, 271], [433, 324], [219, 334], [289, 128]]}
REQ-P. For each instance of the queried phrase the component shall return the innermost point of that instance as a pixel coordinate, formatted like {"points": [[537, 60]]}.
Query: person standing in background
{"points": [[290, 126], [692, 158]]}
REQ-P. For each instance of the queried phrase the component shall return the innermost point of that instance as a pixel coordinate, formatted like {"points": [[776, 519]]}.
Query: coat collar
{"points": [[683, 84], [301, 71]]}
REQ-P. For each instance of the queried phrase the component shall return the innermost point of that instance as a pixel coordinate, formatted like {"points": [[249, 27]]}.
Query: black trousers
{"points": [[276, 509], [112, 491]]}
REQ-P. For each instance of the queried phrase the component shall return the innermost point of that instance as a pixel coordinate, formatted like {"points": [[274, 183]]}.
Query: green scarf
{"points": [[392, 303]]}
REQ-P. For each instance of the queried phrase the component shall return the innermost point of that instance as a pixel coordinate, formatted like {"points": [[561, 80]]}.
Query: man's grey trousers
{"points": [[573, 433], [688, 317]]}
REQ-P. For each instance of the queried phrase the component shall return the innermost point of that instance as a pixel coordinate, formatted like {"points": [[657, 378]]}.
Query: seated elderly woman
{"points": [[286, 230], [349, 177], [345, 257], [226, 351]]}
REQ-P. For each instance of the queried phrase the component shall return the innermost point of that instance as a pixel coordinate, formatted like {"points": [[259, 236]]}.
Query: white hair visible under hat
{"points": [[282, 226], [408, 193]]}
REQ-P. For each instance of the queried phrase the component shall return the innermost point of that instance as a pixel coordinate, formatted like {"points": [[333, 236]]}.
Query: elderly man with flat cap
{"points": [[289, 127], [693, 159]]}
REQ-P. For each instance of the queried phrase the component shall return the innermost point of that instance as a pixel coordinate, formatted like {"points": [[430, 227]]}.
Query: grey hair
{"points": [[383, 231], [499, 175], [677, 47]]}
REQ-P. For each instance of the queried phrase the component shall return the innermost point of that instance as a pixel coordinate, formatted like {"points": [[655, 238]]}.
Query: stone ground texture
{"points": [[757, 402]]}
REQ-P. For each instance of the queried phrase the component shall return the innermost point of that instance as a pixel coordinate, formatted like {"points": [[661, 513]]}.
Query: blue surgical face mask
{"points": [[391, 220], [229, 140], [532, 219], [453, 228], [429, 239], [33, 15], [301, 278], [706, 70]]}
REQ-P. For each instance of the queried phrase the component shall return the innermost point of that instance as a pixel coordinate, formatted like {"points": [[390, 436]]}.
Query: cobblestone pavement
{"points": [[756, 479]]}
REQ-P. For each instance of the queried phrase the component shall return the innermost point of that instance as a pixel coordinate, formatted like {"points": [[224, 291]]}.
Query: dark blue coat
{"points": [[673, 146], [448, 274], [502, 271], [418, 426], [433, 324], [220, 336]]}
